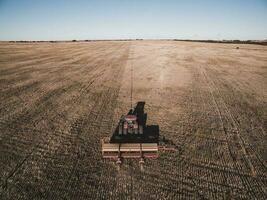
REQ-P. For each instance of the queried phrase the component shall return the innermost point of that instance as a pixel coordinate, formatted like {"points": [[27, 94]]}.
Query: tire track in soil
{"points": [[192, 129], [242, 130], [229, 144], [187, 141], [232, 136], [213, 87], [235, 86]]}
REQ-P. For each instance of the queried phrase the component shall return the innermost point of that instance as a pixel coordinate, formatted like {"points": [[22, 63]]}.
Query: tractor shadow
{"points": [[150, 134]]}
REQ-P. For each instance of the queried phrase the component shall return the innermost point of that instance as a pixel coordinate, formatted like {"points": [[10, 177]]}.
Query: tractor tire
{"points": [[120, 130], [124, 131], [141, 129]]}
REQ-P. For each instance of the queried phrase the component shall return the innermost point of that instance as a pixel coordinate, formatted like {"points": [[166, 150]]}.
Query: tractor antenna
{"points": [[131, 84]]}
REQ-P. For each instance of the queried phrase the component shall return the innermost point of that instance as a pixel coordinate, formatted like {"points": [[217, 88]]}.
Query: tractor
{"points": [[130, 124]]}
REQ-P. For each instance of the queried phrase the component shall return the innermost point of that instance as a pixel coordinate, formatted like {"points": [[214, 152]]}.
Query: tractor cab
{"points": [[129, 125], [131, 121]]}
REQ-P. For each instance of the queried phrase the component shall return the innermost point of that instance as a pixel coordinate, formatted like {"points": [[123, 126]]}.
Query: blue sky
{"points": [[121, 19]]}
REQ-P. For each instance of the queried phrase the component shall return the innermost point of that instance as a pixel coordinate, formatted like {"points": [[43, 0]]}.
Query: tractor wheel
{"points": [[141, 129], [120, 130], [125, 131]]}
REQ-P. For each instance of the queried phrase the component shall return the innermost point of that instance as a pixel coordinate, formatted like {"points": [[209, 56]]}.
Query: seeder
{"points": [[132, 139]]}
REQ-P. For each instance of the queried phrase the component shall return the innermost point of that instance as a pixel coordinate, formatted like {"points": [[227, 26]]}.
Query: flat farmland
{"points": [[57, 100]]}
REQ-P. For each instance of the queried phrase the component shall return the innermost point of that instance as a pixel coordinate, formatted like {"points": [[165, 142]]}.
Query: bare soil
{"points": [[57, 100]]}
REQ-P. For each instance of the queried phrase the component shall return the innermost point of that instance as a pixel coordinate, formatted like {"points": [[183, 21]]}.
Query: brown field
{"points": [[58, 99]]}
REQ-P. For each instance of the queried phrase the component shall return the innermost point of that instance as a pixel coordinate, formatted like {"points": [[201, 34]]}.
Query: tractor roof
{"points": [[131, 118]]}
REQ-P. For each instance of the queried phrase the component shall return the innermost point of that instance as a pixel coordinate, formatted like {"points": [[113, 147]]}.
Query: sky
{"points": [[131, 19]]}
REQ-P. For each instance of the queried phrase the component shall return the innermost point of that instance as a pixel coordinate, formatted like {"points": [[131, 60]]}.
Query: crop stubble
{"points": [[59, 99]]}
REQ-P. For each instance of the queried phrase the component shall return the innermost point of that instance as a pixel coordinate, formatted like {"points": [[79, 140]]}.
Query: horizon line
{"points": [[125, 39]]}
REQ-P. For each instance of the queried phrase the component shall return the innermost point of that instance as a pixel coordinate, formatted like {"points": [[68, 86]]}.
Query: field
{"points": [[57, 100]]}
